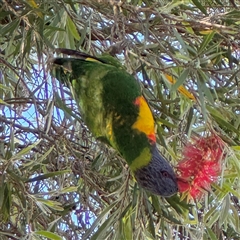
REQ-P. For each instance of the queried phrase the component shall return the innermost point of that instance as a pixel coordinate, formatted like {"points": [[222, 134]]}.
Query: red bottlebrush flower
{"points": [[201, 165]]}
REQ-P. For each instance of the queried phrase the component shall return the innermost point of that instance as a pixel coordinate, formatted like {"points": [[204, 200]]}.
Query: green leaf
{"points": [[212, 217], [6, 88], [220, 119], [202, 100], [182, 78], [183, 44], [101, 232], [4, 14], [72, 28], [48, 235], [200, 6], [47, 175], [166, 123], [40, 159], [206, 40], [190, 121], [209, 213], [24, 151], [103, 214], [4, 103], [68, 189], [225, 209], [181, 207], [202, 80], [6, 201], [52, 204], [151, 225], [9, 28], [68, 111], [211, 234]]}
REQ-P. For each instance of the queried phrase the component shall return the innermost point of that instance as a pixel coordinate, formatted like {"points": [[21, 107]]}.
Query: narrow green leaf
{"points": [[47, 175], [53, 28], [213, 218], [181, 41], [206, 40], [211, 234], [6, 202], [41, 158], [225, 209], [68, 111], [202, 100], [72, 28], [221, 120], [128, 231], [202, 80], [70, 41], [200, 6], [151, 226], [166, 123], [2, 187], [231, 190], [52, 204], [182, 78], [8, 235], [15, 176], [69, 189], [95, 224], [9, 28], [49, 235], [219, 2], [181, 207], [235, 216], [183, 57], [236, 148], [102, 230], [208, 214], [6, 88], [24, 151], [4, 14], [190, 120], [156, 204], [4, 103]]}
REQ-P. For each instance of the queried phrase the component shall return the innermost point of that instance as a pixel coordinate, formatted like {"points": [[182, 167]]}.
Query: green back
{"points": [[106, 96]]}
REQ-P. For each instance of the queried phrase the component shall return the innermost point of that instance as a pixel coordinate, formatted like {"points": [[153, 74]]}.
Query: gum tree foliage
{"points": [[56, 180]]}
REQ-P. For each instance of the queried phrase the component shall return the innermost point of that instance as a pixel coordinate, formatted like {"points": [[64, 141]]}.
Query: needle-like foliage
{"points": [[56, 180]]}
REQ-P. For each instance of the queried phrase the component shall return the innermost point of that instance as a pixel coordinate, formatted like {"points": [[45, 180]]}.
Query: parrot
{"points": [[114, 109]]}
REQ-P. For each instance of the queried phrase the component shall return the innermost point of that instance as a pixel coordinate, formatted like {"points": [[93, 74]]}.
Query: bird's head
{"points": [[158, 176]]}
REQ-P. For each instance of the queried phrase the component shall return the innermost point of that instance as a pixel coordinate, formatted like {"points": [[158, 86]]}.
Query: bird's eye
{"points": [[165, 174]]}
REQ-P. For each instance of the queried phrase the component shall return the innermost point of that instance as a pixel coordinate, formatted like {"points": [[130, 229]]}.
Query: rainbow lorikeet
{"points": [[115, 111]]}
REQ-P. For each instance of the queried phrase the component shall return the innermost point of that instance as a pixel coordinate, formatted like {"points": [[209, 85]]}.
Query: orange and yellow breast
{"points": [[145, 121]]}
